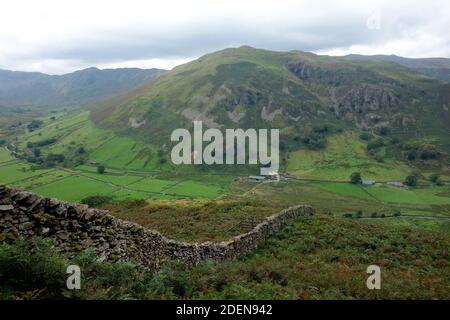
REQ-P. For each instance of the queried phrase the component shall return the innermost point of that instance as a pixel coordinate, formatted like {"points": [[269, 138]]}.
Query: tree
{"points": [[321, 128], [434, 178], [365, 136], [81, 150], [355, 178], [34, 124], [37, 152], [44, 142], [395, 140], [383, 131], [411, 155], [101, 169], [411, 181], [379, 158], [52, 157], [96, 200], [375, 144], [416, 173], [314, 140]]}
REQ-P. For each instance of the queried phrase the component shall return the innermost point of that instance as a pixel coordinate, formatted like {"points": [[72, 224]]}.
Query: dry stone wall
{"points": [[74, 228]]}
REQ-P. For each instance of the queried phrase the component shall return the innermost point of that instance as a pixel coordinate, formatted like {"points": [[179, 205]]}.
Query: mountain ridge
{"points": [[438, 67], [35, 89]]}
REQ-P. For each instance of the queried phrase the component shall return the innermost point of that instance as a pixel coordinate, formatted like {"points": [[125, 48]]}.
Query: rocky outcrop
{"points": [[236, 115], [365, 98], [74, 228], [304, 70], [136, 123], [270, 115], [197, 115]]}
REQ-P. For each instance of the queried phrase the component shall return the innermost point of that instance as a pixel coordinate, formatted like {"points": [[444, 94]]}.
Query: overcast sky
{"points": [[62, 36]]}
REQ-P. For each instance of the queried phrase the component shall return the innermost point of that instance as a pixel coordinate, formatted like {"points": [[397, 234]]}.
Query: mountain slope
{"points": [[438, 68], [33, 89], [247, 87]]}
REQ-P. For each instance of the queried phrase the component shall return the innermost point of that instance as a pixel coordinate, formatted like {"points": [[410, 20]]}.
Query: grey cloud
{"points": [[338, 28], [135, 45]]}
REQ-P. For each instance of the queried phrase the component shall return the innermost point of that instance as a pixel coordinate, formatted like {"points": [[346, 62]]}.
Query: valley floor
{"points": [[235, 199]]}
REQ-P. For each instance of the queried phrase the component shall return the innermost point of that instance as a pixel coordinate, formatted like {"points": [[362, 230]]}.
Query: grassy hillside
{"points": [[196, 220], [220, 219], [346, 153], [313, 258], [294, 91]]}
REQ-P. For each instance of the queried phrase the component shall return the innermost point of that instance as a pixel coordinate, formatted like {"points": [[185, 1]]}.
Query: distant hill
{"points": [[253, 88], [33, 89], [438, 68]]}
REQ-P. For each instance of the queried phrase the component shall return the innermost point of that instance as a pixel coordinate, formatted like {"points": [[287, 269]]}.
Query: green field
{"points": [[43, 179], [93, 169], [195, 189], [61, 127], [14, 172], [389, 194], [77, 183], [431, 203], [86, 135], [127, 194], [345, 188], [415, 196], [74, 188], [5, 155], [117, 180], [151, 185], [345, 153], [117, 152]]}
